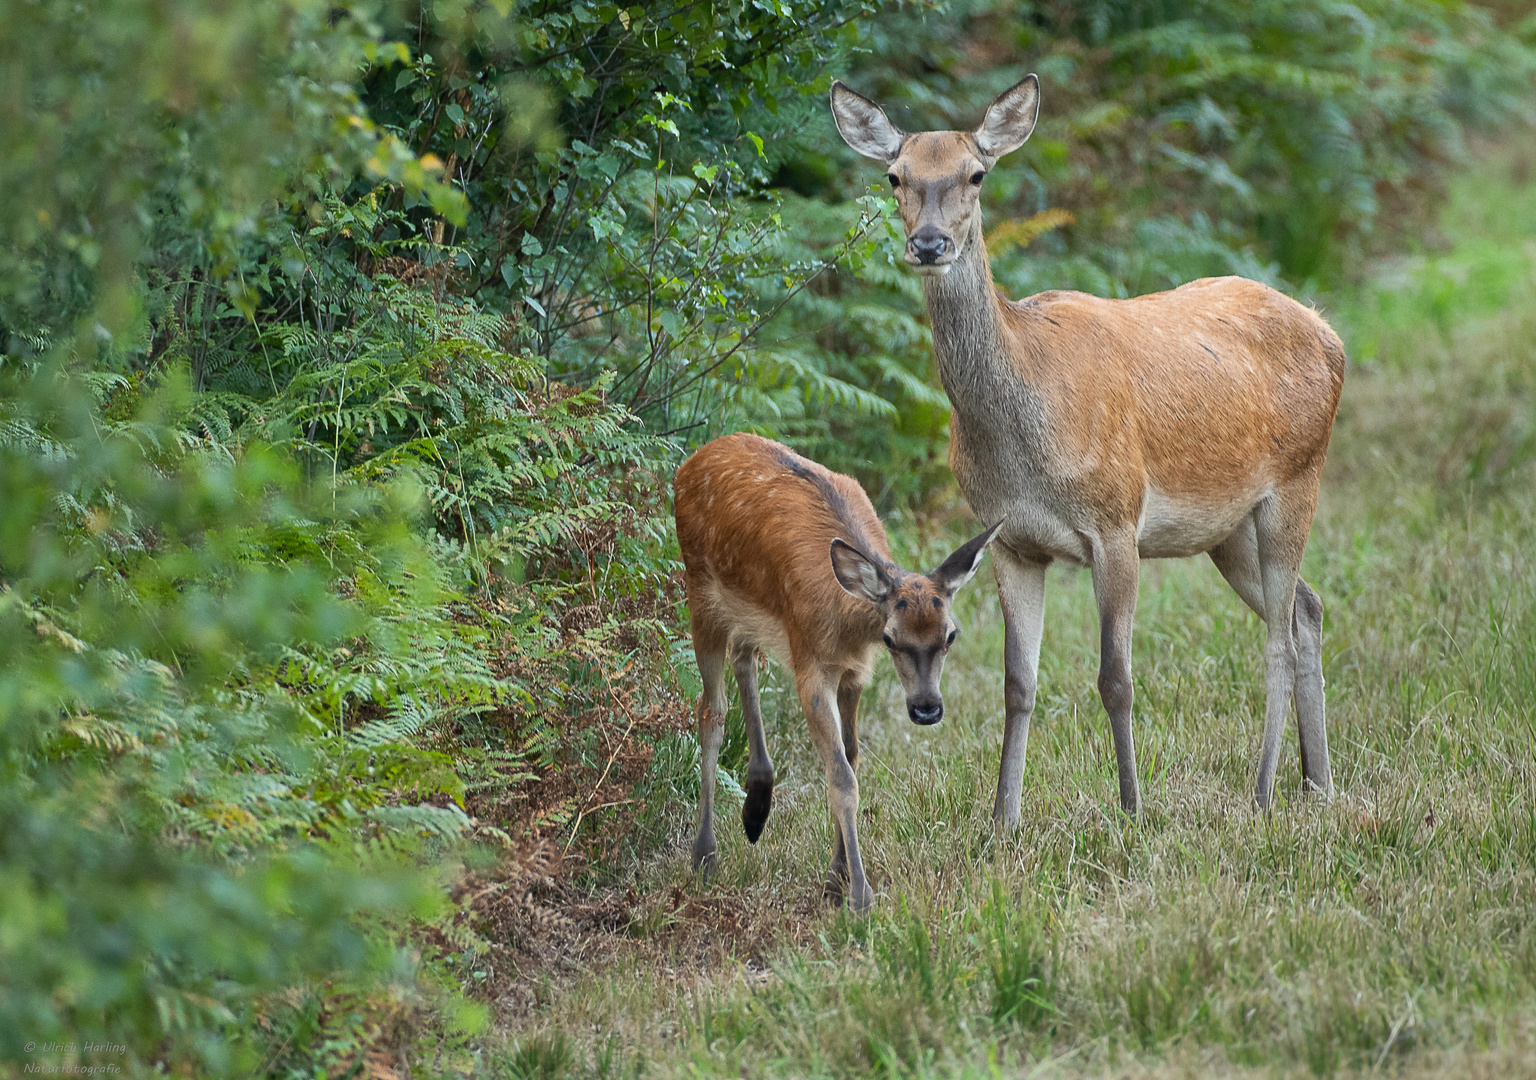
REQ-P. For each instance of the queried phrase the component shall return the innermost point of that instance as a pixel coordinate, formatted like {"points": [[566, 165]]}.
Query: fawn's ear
{"points": [[1009, 120], [864, 125], [961, 566], [858, 574]]}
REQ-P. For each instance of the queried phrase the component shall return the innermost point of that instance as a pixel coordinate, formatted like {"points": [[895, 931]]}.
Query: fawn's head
{"points": [[937, 175], [918, 612]]}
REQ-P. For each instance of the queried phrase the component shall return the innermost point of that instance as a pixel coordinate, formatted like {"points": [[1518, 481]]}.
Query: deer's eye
{"points": [[978, 177], [951, 639], [889, 644], [894, 179]]}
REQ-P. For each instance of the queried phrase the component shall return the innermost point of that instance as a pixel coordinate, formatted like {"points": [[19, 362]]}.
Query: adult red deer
{"points": [[786, 556], [1103, 432]]}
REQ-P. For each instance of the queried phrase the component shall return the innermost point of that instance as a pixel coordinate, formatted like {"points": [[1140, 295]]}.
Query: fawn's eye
{"points": [[951, 639], [889, 644], [894, 179], [978, 177]]}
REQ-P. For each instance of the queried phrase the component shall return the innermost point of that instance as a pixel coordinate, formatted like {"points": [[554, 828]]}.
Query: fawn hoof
{"points": [[838, 890], [754, 812]]}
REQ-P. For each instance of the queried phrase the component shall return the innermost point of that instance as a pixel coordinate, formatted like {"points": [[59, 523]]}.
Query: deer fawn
{"points": [[786, 556], [1103, 432]]}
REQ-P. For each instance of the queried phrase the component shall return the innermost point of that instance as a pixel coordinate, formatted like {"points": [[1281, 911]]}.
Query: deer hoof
{"points": [[754, 812], [704, 858]]}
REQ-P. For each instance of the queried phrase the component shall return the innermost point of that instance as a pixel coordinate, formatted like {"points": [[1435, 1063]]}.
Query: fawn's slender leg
{"points": [[709, 649], [754, 812], [818, 697], [848, 693]]}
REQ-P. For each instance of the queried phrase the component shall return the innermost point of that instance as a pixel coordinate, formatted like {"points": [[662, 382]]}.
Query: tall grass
{"points": [[1390, 929]]}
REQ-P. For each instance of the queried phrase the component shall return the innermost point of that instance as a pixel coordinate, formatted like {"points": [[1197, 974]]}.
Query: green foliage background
{"points": [[347, 352]]}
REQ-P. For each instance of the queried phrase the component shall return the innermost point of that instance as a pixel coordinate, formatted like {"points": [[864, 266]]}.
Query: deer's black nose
{"points": [[926, 714], [928, 244]]}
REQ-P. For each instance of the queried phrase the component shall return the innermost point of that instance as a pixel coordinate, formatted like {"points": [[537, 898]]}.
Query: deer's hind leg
{"points": [[1238, 560], [709, 643], [1281, 523], [1116, 572], [754, 811], [1311, 720]]}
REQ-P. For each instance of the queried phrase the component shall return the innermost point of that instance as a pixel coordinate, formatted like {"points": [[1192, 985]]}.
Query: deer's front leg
{"points": [[1116, 570], [818, 697], [848, 693], [1021, 587]]}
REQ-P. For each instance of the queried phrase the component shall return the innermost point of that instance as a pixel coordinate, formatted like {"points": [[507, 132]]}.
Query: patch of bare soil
{"points": [[534, 925]]}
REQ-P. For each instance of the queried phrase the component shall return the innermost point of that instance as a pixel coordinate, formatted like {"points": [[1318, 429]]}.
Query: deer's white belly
{"points": [[1171, 528], [749, 624]]}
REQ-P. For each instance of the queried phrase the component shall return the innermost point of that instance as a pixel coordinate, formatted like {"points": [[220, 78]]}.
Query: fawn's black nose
{"points": [[926, 714], [928, 244]]}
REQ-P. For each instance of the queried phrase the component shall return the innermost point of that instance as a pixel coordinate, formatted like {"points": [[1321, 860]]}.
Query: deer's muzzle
{"points": [[927, 713], [930, 247]]}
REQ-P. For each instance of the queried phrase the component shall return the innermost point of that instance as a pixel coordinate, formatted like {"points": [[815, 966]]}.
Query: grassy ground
{"points": [[1391, 930]]}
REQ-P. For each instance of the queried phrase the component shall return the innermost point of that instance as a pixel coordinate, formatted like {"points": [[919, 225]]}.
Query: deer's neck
{"points": [[966, 316]]}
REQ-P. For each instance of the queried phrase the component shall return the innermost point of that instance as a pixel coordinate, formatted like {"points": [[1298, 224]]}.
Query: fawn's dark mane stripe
{"points": [[848, 524]]}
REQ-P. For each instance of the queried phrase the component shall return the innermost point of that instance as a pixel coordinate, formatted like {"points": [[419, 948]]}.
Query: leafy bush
{"points": [[646, 245], [250, 664], [153, 586], [123, 116]]}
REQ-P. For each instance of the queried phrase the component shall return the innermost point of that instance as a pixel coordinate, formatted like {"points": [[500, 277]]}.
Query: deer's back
{"points": [[755, 523], [1184, 391], [1174, 413]]}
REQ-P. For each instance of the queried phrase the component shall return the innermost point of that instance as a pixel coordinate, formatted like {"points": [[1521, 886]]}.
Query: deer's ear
{"points": [[858, 574], [1009, 120], [864, 125], [961, 566]]}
